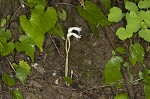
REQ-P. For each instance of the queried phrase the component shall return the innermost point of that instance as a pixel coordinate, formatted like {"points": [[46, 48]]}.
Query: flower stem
{"points": [[67, 55]]}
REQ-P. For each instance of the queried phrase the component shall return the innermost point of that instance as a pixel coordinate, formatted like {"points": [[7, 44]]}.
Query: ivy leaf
{"points": [[57, 31], [144, 4], [137, 53], [22, 71], [145, 34], [26, 44], [17, 94], [112, 70], [146, 91], [106, 4], [123, 34], [62, 14], [121, 96], [115, 14], [93, 14], [131, 6], [8, 80], [40, 22]]}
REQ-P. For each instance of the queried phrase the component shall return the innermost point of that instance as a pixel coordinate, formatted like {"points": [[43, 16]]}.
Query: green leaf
{"points": [[145, 15], [40, 22], [17, 94], [62, 14], [26, 44], [93, 14], [123, 34], [21, 75], [7, 48], [112, 70], [145, 34], [121, 96], [68, 80], [25, 66], [22, 71], [8, 80], [145, 75], [133, 22], [6, 34], [57, 31], [32, 3], [136, 53], [2, 22], [146, 91], [115, 14], [94, 30], [106, 4], [131, 6], [144, 4], [121, 50]]}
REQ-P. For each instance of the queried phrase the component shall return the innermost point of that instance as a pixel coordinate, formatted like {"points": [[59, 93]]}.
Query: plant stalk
{"points": [[67, 55]]}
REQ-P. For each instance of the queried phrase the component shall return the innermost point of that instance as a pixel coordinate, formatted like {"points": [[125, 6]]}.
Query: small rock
{"points": [[88, 62], [35, 84], [56, 81], [41, 70]]}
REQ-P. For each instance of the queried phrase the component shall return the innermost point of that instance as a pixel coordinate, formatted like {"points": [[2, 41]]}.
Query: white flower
{"points": [[72, 32]]}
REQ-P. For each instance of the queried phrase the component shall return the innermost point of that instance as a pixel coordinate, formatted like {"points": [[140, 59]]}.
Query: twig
{"points": [[128, 83], [106, 35], [65, 4], [10, 64], [56, 47], [15, 13]]}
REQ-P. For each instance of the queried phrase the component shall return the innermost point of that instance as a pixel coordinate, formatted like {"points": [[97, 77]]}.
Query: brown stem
{"points": [[127, 82]]}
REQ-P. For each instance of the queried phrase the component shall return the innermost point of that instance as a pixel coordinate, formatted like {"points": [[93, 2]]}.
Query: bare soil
{"points": [[86, 58]]}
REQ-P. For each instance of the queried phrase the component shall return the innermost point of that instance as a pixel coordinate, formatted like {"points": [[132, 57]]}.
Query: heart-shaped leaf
{"points": [[115, 14], [131, 6], [145, 34], [123, 34]]}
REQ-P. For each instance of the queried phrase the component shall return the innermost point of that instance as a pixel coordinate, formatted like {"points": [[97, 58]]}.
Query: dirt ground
{"points": [[87, 58]]}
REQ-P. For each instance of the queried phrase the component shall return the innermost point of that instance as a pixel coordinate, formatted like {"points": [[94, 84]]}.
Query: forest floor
{"points": [[87, 58]]}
